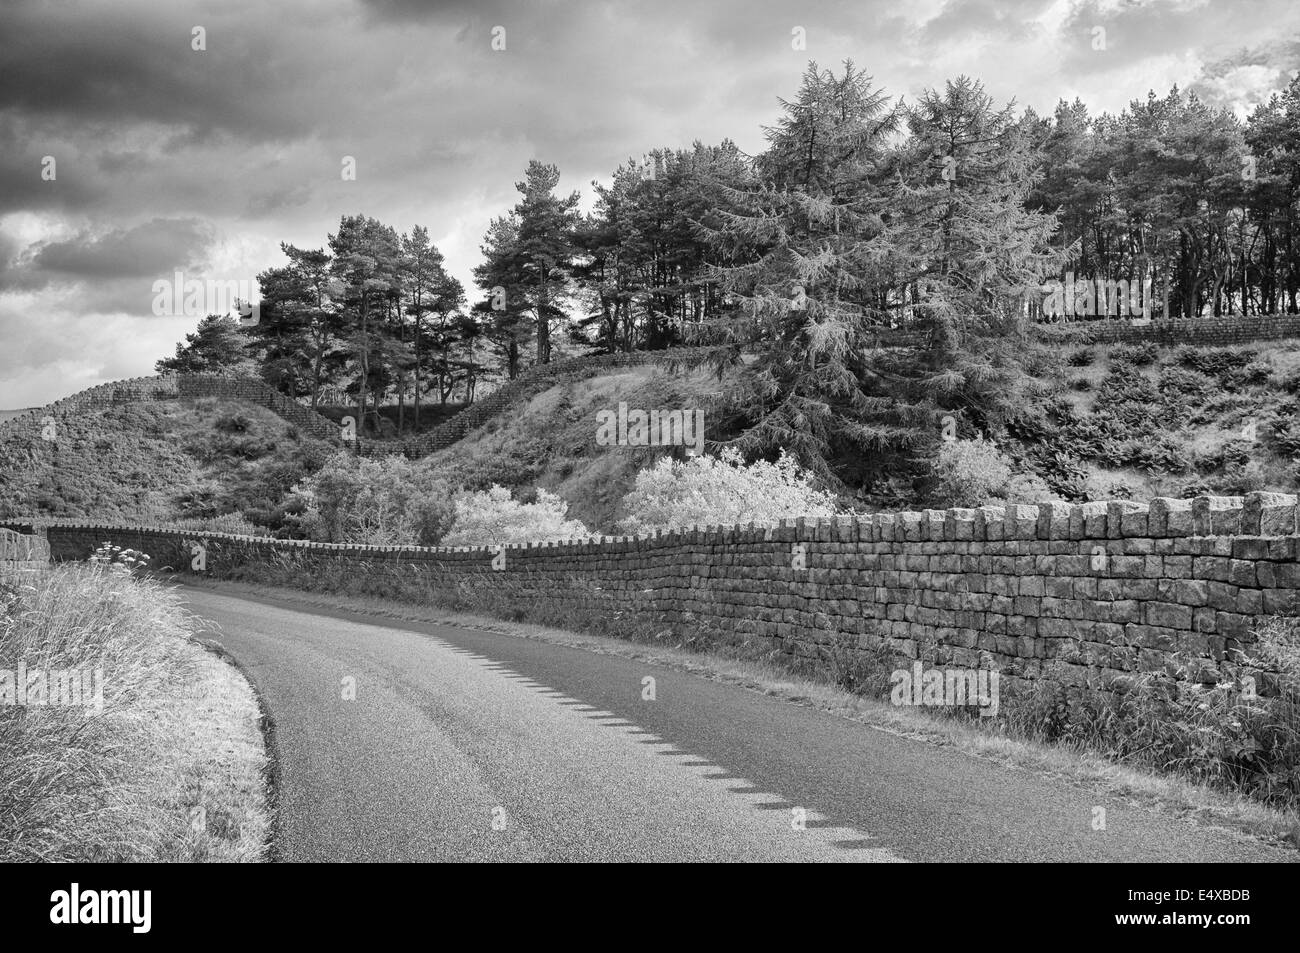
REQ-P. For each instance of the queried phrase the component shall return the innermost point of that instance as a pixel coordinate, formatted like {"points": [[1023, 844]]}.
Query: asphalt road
{"points": [[464, 745]]}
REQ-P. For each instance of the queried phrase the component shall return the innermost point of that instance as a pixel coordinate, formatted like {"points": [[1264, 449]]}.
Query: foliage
{"points": [[1227, 733], [1213, 361], [722, 490], [118, 560], [384, 501], [217, 346], [969, 473], [493, 517], [1140, 354]]}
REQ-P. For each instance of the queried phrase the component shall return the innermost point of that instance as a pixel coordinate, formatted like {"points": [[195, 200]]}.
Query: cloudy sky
{"points": [[170, 158]]}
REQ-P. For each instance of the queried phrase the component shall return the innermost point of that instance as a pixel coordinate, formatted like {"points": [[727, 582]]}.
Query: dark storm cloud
{"points": [[91, 62], [150, 249]]}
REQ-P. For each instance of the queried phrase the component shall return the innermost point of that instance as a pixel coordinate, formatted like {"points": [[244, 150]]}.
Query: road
{"points": [[465, 745]]}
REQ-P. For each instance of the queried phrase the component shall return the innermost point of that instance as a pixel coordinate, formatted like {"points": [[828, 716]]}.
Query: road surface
{"points": [[464, 745]]}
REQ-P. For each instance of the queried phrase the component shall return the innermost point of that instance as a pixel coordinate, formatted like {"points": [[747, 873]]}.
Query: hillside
{"points": [[1140, 420], [156, 461], [1111, 421], [550, 439]]}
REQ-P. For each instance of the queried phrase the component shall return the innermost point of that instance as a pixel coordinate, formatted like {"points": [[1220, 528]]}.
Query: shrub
{"points": [[1181, 384], [1214, 361], [1080, 358], [1290, 382], [1027, 488], [1254, 373], [237, 524], [722, 489], [970, 473], [1140, 354], [492, 517], [1240, 480], [386, 501]]}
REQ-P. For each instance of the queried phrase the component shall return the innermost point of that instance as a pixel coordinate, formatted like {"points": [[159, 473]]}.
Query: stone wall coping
{"points": [[1258, 514]]}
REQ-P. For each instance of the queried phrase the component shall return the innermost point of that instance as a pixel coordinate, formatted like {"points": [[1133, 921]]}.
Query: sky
{"points": [[169, 158]]}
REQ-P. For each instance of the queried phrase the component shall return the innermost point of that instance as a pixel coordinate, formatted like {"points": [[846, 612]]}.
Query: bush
{"points": [[1291, 382], [1180, 384], [721, 490], [237, 524], [1254, 373], [975, 473], [1027, 488], [1080, 358], [1140, 354], [492, 518], [1214, 361], [387, 501]]}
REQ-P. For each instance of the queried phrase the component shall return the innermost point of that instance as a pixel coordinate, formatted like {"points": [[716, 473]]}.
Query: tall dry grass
{"points": [[115, 785]]}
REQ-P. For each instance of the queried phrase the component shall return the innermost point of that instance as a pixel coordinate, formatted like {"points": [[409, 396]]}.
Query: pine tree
{"points": [[812, 289], [972, 258]]}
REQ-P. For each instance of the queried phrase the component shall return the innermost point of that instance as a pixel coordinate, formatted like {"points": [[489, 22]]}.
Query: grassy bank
{"points": [[160, 759]]}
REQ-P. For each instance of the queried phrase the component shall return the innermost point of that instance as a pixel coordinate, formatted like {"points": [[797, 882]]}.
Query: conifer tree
{"points": [[811, 289]]}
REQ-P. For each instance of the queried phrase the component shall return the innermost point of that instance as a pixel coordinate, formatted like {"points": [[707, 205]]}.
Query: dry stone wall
{"points": [[1220, 331], [1205, 331], [263, 395], [1067, 591]]}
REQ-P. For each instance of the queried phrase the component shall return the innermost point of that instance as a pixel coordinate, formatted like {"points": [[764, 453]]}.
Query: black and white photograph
{"points": [[592, 432]]}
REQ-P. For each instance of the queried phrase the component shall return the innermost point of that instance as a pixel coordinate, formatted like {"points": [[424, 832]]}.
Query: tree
{"points": [[544, 249], [973, 257], [218, 345], [300, 322], [503, 312], [366, 255], [433, 294], [646, 246], [815, 282]]}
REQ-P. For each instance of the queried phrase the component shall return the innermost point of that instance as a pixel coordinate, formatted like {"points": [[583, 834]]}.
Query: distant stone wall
{"points": [[1067, 590], [263, 395], [1222, 331], [134, 391], [1205, 331]]}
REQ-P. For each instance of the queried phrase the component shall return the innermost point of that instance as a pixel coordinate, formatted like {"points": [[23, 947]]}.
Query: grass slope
{"points": [[550, 440], [165, 460]]}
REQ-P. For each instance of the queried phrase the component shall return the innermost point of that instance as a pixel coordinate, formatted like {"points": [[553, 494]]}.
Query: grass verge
{"points": [[160, 755]]}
